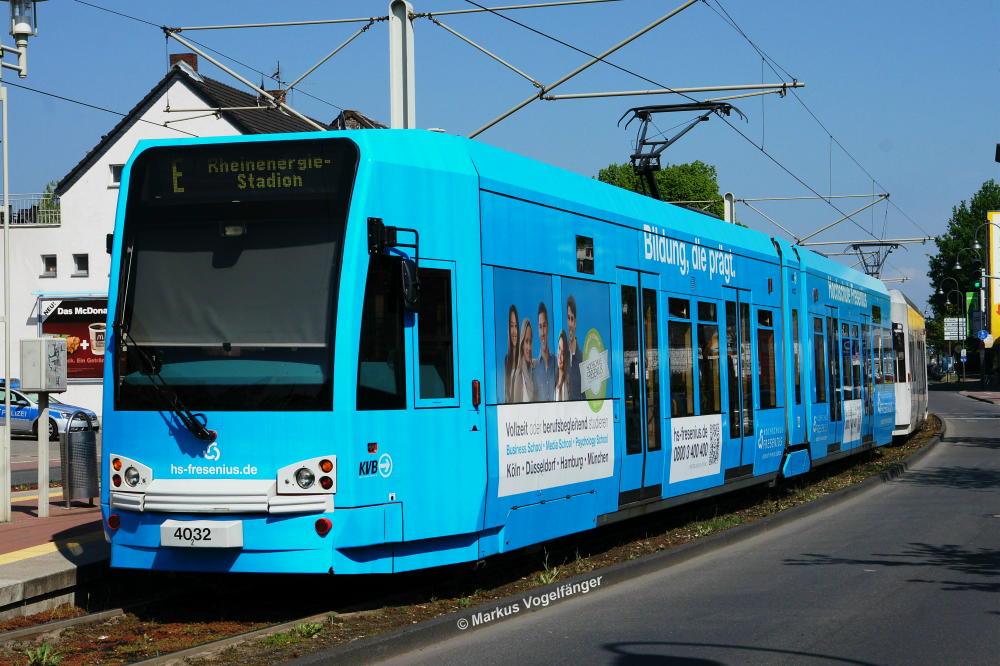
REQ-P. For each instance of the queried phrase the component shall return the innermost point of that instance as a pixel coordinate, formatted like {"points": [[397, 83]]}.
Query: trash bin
{"points": [[78, 452]]}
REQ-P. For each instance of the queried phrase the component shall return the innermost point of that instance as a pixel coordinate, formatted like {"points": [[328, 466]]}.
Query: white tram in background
{"points": [[909, 342]]}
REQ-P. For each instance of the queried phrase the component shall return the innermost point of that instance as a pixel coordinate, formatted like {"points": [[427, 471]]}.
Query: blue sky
{"points": [[909, 88]]}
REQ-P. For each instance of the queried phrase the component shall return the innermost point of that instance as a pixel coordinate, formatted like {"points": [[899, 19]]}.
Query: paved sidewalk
{"points": [[984, 396], [42, 559]]}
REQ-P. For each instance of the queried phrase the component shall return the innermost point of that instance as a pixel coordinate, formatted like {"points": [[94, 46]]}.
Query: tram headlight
{"points": [[305, 478], [132, 476]]}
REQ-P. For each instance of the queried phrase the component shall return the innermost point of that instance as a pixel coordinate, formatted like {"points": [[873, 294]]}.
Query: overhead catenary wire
{"points": [[568, 45], [215, 51], [689, 97], [775, 67], [94, 106]]}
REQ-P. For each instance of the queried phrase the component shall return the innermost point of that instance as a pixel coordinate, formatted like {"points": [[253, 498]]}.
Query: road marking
{"points": [[74, 546]]}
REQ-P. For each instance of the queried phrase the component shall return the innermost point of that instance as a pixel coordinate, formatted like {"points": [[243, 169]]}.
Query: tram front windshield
{"points": [[230, 271]]}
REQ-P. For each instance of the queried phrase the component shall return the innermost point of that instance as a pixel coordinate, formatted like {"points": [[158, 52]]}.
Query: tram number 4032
{"points": [[202, 533], [193, 534]]}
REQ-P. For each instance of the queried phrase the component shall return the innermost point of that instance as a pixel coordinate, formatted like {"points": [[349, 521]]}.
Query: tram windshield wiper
{"points": [[194, 422]]}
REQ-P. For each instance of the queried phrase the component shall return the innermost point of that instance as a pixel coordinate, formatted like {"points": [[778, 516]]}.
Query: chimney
{"points": [[190, 58]]}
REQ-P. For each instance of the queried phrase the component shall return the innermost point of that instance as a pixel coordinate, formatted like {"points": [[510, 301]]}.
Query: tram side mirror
{"points": [[411, 285], [109, 242]]}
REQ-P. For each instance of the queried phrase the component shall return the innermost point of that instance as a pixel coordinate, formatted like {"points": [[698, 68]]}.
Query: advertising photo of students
{"points": [[519, 357], [545, 364], [587, 326], [528, 353], [510, 360], [575, 350], [562, 368], [523, 389]]}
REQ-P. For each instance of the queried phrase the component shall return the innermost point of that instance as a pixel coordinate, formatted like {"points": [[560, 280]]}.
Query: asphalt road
{"points": [[906, 573]]}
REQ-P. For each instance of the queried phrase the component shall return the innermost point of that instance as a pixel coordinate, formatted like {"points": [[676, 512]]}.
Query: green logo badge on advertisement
{"points": [[594, 370]]}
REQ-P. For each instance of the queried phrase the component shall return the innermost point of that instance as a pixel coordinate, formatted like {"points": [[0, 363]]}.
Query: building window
{"points": [[116, 175], [81, 265], [48, 266]]}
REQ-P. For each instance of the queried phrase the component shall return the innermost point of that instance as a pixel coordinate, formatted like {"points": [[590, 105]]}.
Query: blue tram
{"points": [[378, 351]]}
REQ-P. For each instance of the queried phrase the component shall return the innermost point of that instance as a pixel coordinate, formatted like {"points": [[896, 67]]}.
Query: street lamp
{"points": [[23, 24], [939, 292], [975, 251]]}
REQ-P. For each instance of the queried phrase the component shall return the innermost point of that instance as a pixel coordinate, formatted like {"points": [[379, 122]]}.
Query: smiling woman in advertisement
{"points": [[562, 368], [510, 360], [524, 382]]}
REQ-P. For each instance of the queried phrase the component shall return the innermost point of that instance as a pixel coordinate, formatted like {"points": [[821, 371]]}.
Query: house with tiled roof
{"points": [[60, 257]]}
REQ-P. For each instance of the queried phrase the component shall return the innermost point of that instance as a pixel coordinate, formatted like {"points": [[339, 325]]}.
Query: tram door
{"points": [[850, 342], [642, 465], [868, 382], [739, 446], [833, 350]]}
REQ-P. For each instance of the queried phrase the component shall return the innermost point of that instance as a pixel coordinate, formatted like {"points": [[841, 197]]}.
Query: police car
{"points": [[24, 413]]}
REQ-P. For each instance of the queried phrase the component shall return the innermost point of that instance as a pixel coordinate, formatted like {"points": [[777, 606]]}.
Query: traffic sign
{"points": [[982, 334]]}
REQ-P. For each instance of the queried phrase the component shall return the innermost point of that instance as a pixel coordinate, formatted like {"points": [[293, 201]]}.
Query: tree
{"points": [[693, 181], [955, 246], [48, 206]]}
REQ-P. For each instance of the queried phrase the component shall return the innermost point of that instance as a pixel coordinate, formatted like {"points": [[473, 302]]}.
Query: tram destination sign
{"points": [[955, 328], [246, 170]]}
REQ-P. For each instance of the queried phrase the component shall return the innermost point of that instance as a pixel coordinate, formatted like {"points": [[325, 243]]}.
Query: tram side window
{"points": [[681, 359], [709, 380], [877, 355], [819, 359], [434, 324], [888, 358], [746, 368], [836, 387], [732, 350], [796, 358], [866, 357], [899, 347], [846, 368], [766, 361], [912, 348], [856, 368], [381, 357]]}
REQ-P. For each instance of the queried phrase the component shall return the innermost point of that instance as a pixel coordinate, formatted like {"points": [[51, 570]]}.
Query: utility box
{"points": [[43, 365]]}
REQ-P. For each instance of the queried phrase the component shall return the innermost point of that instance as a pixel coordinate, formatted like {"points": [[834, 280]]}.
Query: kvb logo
{"points": [[212, 452], [381, 467]]}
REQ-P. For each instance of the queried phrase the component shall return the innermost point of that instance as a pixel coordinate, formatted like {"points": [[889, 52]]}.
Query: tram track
{"points": [[266, 619]]}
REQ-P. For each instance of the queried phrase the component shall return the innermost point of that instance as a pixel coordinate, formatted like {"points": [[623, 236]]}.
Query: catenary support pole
{"points": [[43, 455], [5, 438], [402, 93]]}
